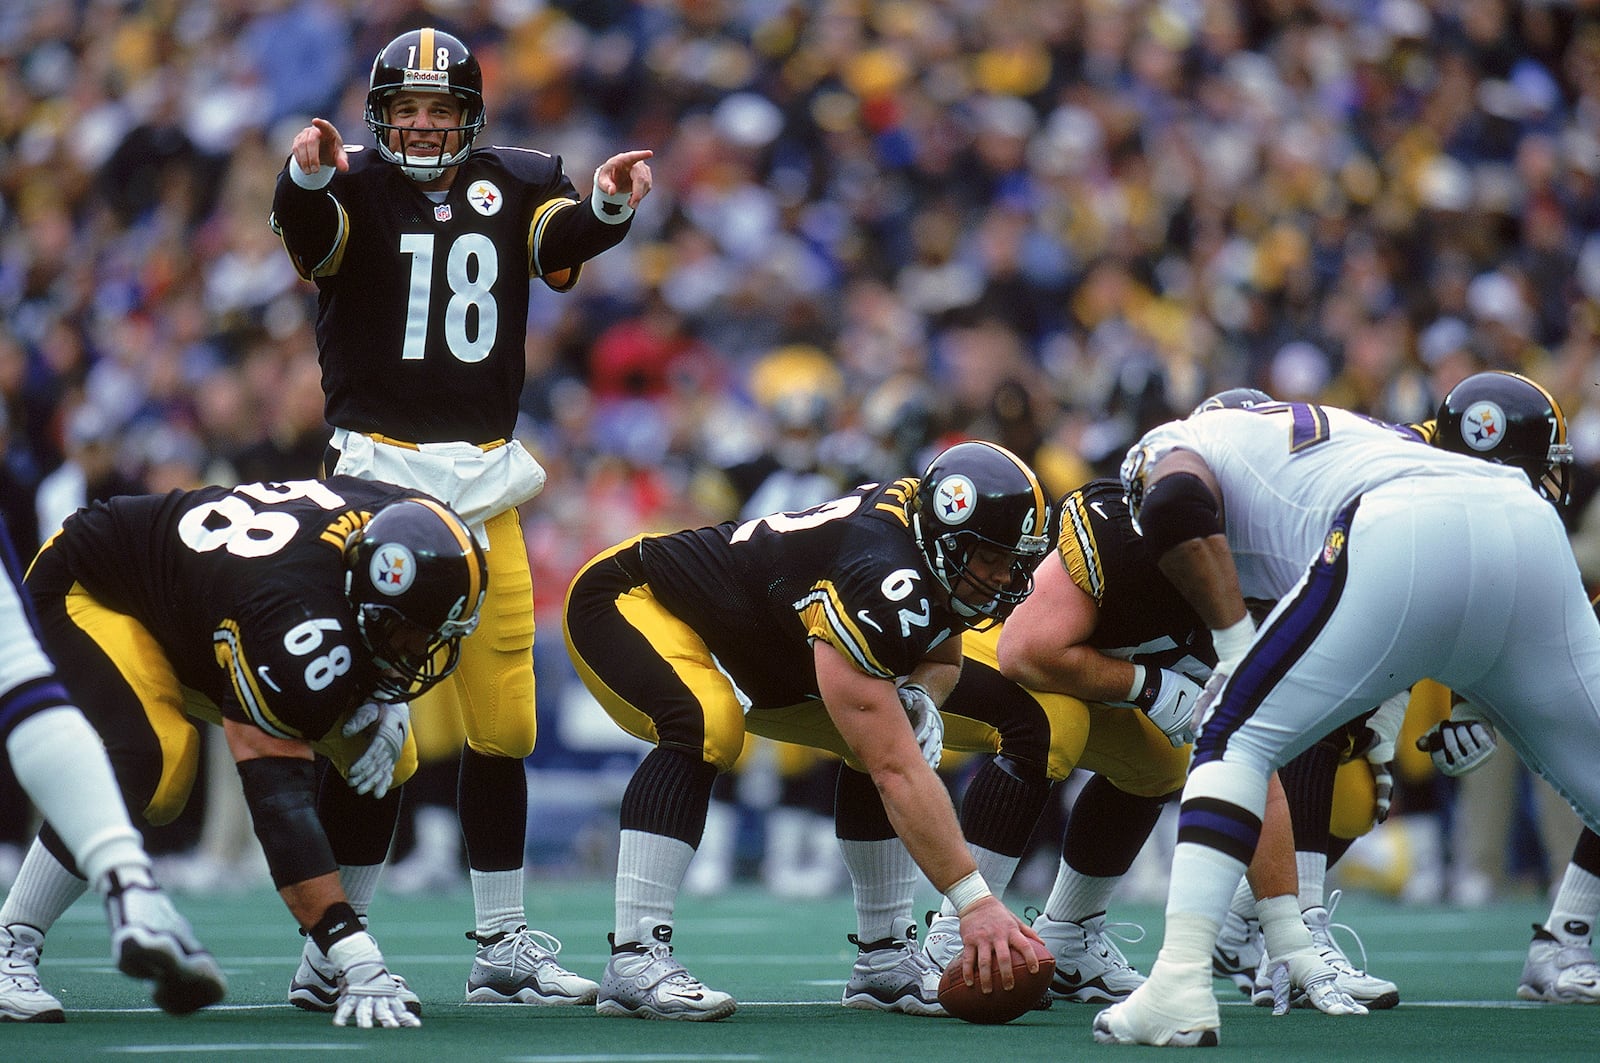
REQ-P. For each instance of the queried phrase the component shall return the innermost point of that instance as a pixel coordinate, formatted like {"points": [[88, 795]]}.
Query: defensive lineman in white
{"points": [[1391, 561]]}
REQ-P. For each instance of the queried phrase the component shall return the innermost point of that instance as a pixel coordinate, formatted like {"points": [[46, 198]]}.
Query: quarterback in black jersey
{"points": [[298, 616], [422, 248], [831, 627]]}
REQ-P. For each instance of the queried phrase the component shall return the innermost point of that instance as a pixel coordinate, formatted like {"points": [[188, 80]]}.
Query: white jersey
{"points": [[1287, 470]]}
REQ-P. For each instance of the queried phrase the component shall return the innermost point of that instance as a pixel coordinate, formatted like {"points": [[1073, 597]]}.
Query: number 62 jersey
{"points": [[242, 588], [847, 572]]}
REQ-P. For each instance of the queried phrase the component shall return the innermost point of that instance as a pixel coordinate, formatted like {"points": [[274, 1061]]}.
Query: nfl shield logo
{"points": [[441, 212]]}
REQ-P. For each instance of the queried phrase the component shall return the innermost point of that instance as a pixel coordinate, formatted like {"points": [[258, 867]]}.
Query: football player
{"points": [[838, 627], [1062, 685], [421, 251], [1512, 420], [1338, 518], [298, 616], [63, 768]]}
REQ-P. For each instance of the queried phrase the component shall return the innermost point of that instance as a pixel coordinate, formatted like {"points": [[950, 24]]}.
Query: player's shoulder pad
{"points": [[530, 165]]}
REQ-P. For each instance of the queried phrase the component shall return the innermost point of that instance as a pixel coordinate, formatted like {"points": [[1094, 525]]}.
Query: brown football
{"points": [[1000, 1005]]}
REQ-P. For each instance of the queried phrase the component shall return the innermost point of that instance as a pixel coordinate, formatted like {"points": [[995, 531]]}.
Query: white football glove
{"points": [[367, 990], [1169, 699], [373, 771], [926, 723], [1459, 745]]}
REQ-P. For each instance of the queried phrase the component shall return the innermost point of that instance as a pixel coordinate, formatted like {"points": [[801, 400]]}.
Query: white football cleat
{"points": [[1377, 994], [150, 940], [643, 981], [1090, 968], [894, 975], [315, 985], [519, 967], [1559, 970], [943, 943], [22, 996], [1174, 1007], [1238, 951]]}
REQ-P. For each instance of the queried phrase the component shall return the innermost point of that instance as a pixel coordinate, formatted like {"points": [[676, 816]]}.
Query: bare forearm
{"points": [[1203, 572], [920, 811]]}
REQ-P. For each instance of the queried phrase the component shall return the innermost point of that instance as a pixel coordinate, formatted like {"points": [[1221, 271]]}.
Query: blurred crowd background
{"points": [[877, 226]]}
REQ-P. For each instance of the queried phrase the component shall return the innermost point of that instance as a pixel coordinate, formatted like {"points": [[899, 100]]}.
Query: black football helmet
{"points": [[415, 577], [1509, 419], [1232, 399], [425, 60], [980, 494]]}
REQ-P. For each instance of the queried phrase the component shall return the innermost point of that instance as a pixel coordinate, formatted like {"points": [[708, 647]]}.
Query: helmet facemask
{"points": [[411, 659], [423, 168], [951, 559]]}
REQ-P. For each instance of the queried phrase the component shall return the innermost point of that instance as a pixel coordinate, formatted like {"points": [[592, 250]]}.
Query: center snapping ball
{"points": [[999, 1005]]}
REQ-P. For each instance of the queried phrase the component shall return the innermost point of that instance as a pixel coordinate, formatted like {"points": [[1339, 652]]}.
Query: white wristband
{"points": [[1233, 641], [967, 892], [1138, 683], [610, 207], [310, 181]]}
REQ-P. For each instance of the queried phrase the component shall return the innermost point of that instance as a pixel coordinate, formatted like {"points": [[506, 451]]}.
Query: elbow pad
{"points": [[1177, 508]]}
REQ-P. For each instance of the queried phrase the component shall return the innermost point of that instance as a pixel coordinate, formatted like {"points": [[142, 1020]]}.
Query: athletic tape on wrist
{"points": [[967, 892], [610, 207]]}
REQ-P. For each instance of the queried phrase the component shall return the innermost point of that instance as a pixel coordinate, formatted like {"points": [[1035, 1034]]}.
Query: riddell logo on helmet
{"points": [[393, 569], [953, 499], [427, 79], [1482, 425]]}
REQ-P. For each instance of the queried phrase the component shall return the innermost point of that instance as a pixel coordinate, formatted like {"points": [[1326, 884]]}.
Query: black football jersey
{"points": [[422, 307], [1142, 615], [847, 571], [243, 589]]}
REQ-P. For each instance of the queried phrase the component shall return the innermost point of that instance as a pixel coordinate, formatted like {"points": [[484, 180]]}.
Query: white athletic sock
{"points": [[360, 882], [42, 892], [1076, 896], [62, 764], [997, 870], [650, 869], [885, 879], [497, 900], [1244, 901], [1204, 879], [1313, 869], [1576, 905]]}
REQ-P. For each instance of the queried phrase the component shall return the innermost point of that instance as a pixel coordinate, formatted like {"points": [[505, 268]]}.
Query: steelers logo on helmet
{"points": [[954, 498], [393, 569], [1483, 425]]}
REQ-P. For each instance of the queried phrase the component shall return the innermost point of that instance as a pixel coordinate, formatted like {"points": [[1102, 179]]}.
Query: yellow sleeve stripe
{"points": [[230, 655], [332, 260], [826, 618], [1078, 550], [541, 218]]}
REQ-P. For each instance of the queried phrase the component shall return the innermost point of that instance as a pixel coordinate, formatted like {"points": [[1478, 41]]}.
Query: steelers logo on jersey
{"points": [[954, 499], [485, 198], [1482, 425], [393, 569]]}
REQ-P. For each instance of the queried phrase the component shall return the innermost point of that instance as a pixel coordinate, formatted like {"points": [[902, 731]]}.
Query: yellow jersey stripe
{"points": [[826, 618], [1078, 550], [230, 655]]}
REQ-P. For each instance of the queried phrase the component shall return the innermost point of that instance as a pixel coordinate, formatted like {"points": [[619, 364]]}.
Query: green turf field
{"points": [[786, 963]]}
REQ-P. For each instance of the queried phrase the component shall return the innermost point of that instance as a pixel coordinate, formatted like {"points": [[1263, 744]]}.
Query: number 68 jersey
{"points": [[847, 572], [242, 588]]}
